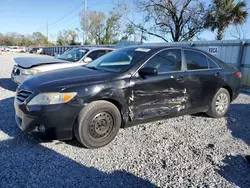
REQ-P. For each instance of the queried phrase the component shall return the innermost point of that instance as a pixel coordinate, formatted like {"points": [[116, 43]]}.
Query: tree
{"points": [[179, 20], [224, 13], [39, 39], [112, 28], [16, 39], [99, 28], [92, 24], [67, 37], [60, 40], [72, 37], [128, 32]]}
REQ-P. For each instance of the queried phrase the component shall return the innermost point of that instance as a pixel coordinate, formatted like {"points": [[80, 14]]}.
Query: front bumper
{"points": [[17, 76], [57, 119]]}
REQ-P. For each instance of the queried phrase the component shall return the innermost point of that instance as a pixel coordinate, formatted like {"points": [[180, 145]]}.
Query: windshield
{"points": [[73, 55], [117, 61]]}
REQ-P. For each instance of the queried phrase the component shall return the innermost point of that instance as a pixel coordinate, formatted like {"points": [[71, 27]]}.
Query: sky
{"points": [[28, 16]]}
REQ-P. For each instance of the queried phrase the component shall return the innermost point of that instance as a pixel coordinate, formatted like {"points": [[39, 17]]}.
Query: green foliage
{"points": [[67, 37], [129, 31], [99, 28], [15, 39], [223, 13]]}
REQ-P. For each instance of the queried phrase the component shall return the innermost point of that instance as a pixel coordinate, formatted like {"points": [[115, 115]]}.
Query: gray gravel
{"points": [[189, 151]]}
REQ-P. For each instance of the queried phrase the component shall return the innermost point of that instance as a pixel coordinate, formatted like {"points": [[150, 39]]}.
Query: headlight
{"points": [[51, 98], [30, 71]]}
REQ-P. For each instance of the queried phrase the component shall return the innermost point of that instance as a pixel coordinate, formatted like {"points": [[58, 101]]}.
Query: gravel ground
{"points": [[189, 151]]}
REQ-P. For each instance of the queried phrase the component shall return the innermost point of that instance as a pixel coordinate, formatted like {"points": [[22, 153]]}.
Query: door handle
{"points": [[180, 79]]}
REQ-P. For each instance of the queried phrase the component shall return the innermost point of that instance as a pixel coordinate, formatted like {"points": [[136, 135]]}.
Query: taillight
{"points": [[239, 75]]}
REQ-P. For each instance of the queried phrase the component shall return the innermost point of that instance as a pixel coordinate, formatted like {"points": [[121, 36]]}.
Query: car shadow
{"points": [[24, 162], [238, 121], [200, 114], [7, 83], [236, 170]]}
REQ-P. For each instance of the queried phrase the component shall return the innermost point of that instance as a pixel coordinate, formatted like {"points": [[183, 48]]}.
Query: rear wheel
{"points": [[220, 104], [97, 124]]}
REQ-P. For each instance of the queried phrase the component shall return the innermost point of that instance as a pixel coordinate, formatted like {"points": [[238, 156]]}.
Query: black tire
{"points": [[98, 119], [212, 107]]}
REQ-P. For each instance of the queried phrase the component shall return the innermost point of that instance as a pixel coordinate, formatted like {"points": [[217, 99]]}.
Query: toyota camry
{"points": [[125, 87]]}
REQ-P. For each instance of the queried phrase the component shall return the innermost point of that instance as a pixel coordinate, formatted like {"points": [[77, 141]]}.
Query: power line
{"points": [[69, 13], [73, 10], [67, 27], [64, 21], [95, 3], [66, 15]]}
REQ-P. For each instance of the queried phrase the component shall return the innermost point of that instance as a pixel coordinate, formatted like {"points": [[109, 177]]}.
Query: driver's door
{"points": [[162, 94]]}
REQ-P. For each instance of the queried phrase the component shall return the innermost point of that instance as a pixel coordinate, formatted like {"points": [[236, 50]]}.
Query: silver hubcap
{"points": [[221, 103]]}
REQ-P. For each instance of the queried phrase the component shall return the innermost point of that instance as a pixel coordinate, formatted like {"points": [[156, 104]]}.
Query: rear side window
{"points": [[166, 61], [212, 64], [96, 54], [195, 60]]}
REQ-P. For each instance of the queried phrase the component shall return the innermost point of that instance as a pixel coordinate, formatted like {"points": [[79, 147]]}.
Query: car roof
{"points": [[161, 47], [95, 48]]}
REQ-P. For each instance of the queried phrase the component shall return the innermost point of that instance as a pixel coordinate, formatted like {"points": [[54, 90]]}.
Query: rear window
{"points": [[220, 63], [212, 64]]}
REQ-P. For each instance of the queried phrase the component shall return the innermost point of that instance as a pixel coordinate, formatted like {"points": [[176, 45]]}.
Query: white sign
{"points": [[214, 50], [142, 49]]}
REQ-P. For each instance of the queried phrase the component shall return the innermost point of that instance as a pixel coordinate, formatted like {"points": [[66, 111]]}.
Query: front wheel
{"points": [[220, 104], [97, 124]]}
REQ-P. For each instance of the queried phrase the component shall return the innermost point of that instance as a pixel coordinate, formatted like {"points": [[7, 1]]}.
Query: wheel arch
{"points": [[120, 108], [230, 91]]}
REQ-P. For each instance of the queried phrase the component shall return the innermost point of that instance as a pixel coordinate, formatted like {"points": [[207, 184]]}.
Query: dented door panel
{"points": [[159, 95], [202, 86]]}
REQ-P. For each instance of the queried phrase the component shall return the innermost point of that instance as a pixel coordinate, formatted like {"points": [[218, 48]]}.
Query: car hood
{"points": [[59, 80], [28, 62]]}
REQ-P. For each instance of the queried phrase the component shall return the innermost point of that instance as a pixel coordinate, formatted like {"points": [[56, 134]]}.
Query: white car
{"points": [[25, 67], [17, 49]]}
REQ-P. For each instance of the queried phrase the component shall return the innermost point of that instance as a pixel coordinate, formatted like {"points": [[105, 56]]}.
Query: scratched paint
{"points": [[163, 105]]}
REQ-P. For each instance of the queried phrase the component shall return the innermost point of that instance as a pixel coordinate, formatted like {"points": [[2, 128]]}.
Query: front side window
{"points": [[73, 55], [195, 60], [166, 61], [118, 61]]}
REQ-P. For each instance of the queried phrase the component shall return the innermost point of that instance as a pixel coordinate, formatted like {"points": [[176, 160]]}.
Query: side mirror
{"points": [[148, 71], [87, 60]]}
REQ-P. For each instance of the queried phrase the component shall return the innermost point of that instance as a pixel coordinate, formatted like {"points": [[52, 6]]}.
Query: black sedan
{"points": [[126, 87]]}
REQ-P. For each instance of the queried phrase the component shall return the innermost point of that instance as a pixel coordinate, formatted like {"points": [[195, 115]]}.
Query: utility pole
{"points": [[85, 20], [47, 26]]}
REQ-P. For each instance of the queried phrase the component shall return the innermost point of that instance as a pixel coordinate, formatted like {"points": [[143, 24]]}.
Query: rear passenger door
{"points": [[202, 79]]}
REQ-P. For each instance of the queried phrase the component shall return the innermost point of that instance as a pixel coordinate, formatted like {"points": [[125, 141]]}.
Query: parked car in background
{"points": [[17, 49], [2, 48], [7, 49], [26, 67], [35, 50], [126, 87]]}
